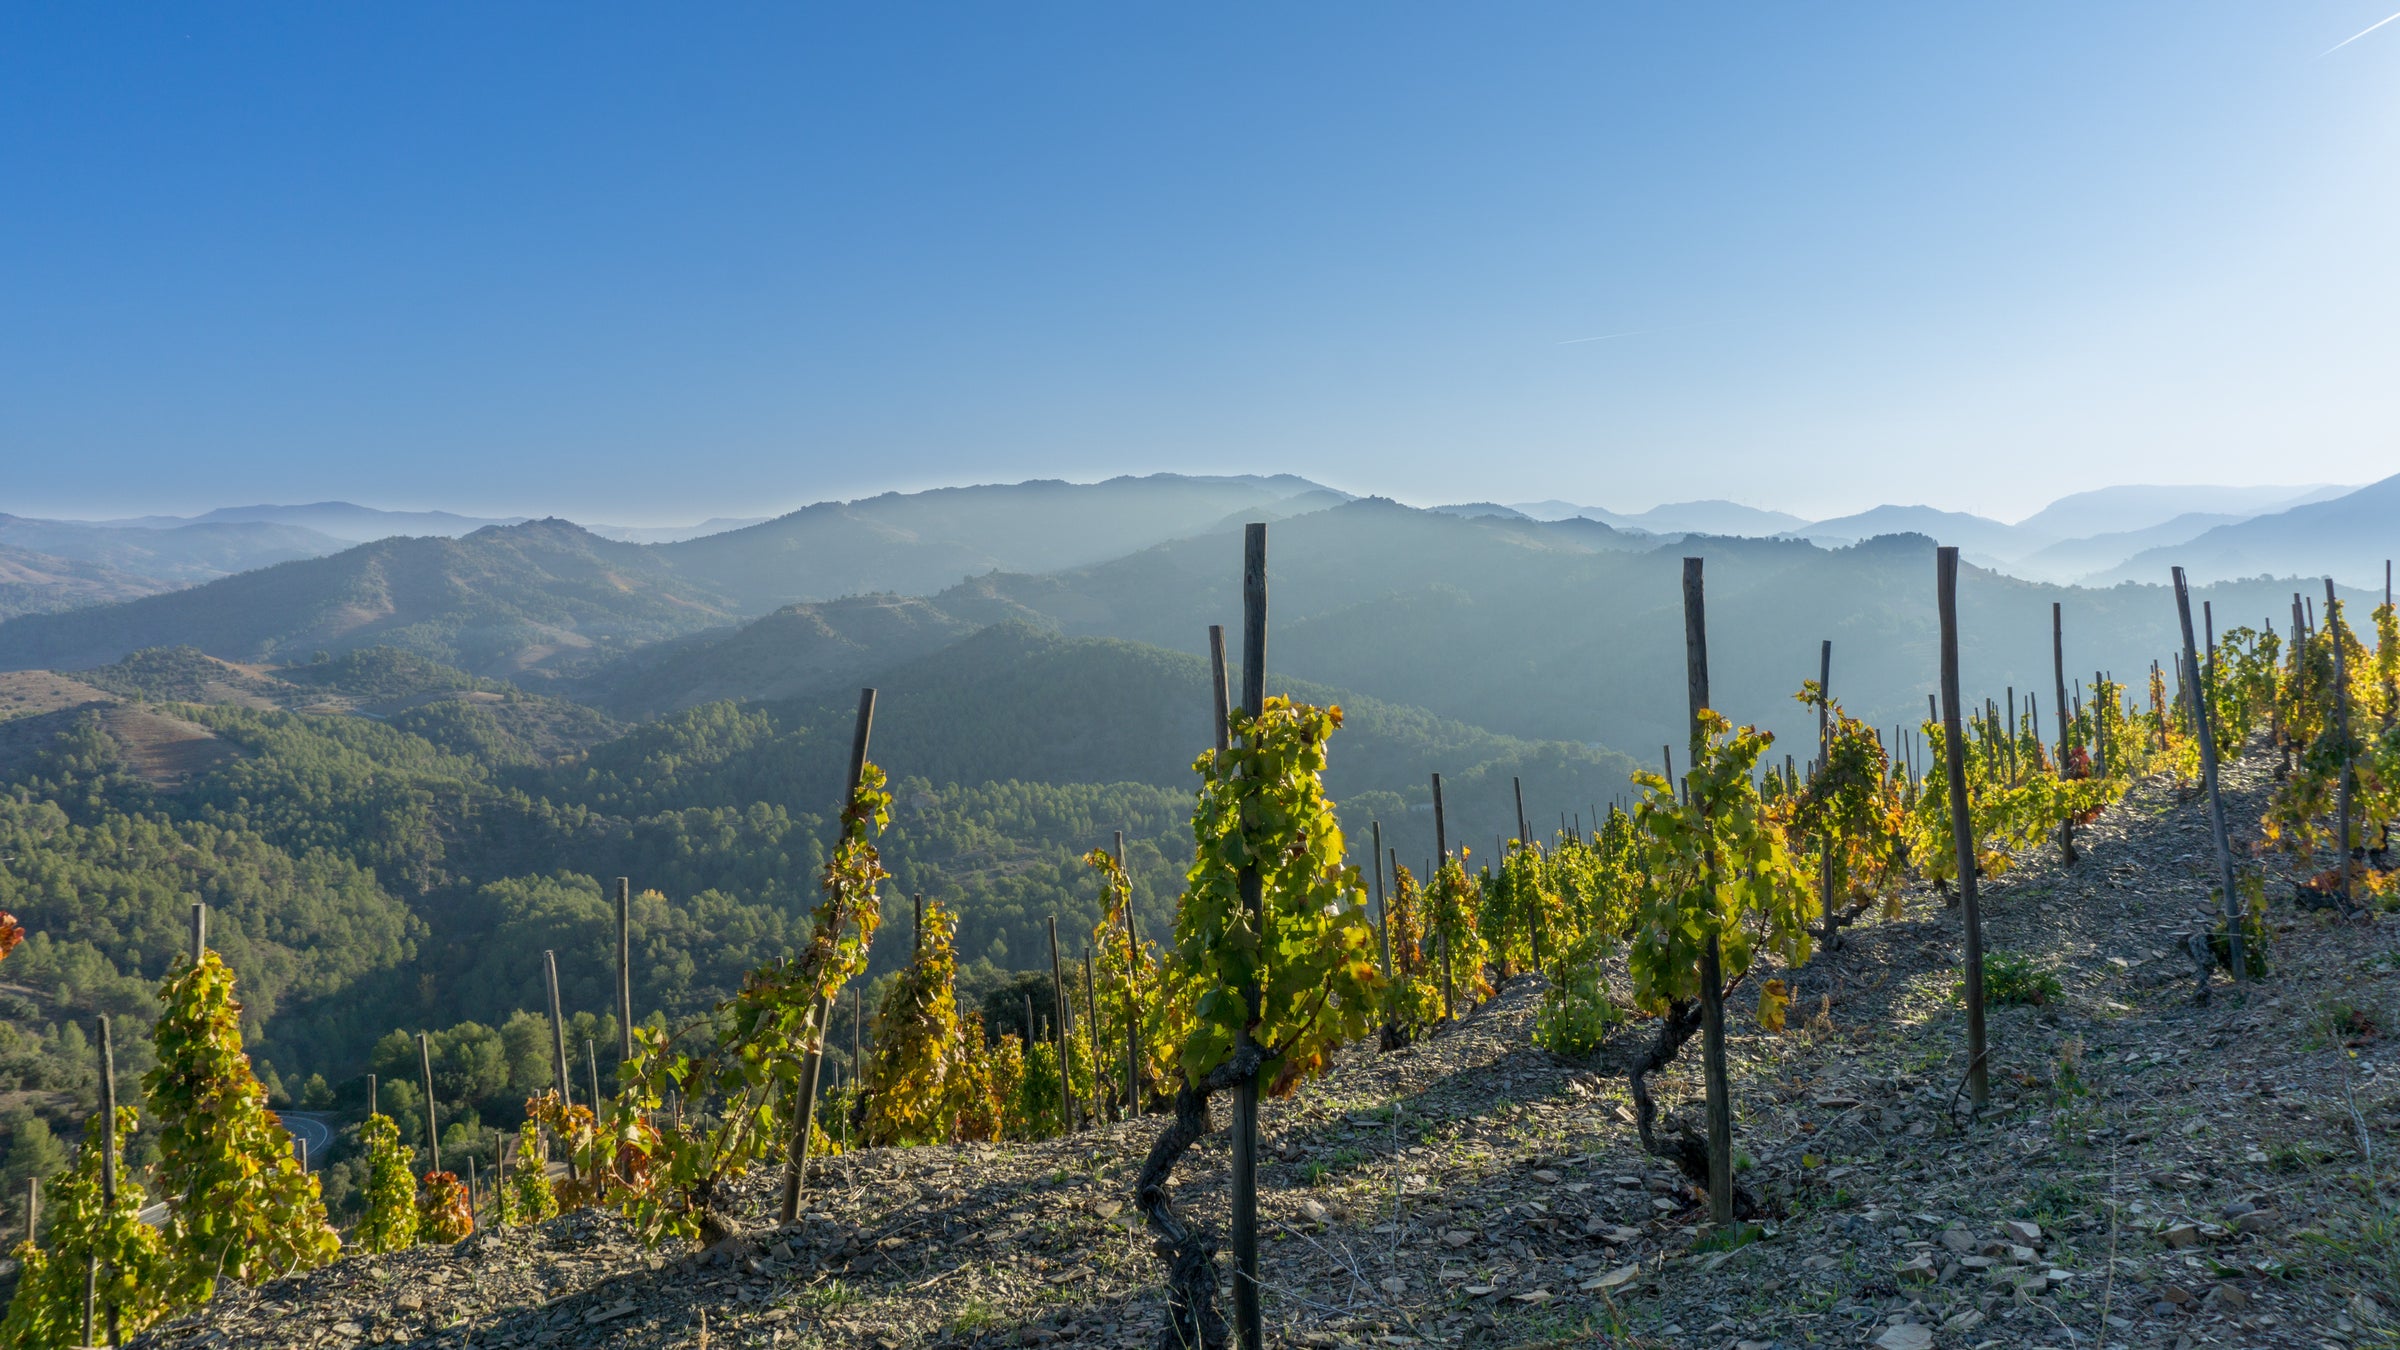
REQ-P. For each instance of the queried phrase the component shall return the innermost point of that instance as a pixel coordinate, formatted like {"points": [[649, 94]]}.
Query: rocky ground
{"points": [[2152, 1173]]}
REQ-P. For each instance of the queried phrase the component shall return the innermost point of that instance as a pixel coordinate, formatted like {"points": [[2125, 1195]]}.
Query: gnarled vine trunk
{"points": [[1193, 1322]]}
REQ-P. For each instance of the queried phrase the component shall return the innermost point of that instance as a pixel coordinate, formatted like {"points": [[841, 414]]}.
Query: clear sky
{"points": [[659, 262]]}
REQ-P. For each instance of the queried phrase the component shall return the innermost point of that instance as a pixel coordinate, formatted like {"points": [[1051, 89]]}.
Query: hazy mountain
{"points": [[1473, 510], [545, 596], [2348, 538], [1973, 535], [175, 554], [796, 650], [2072, 560], [342, 520], [1701, 517], [1523, 628], [1016, 702], [41, 583], [674, 534], [915, 543], [2133, 507]]}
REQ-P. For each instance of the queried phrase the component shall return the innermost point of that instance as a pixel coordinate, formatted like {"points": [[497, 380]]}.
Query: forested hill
{"points": [[390, 844], [548, 597], [506, 600], [1541, 631], [917, 542]]}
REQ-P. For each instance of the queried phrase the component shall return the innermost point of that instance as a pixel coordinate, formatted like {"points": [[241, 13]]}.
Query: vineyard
{"points": [[2052, 1020]]}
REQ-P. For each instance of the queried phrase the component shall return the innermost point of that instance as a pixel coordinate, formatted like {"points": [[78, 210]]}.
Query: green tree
{"points": [[33, 1151]]}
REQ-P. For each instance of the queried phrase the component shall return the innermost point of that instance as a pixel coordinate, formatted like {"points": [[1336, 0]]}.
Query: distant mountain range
{"points": [[1702, 517], [845, 587], [2351, 537], [1554, 631], [345, 521], [2081, 536]]}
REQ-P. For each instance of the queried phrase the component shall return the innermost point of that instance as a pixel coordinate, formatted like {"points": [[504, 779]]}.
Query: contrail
{"points": [[1671, 328], [2355, 37]]}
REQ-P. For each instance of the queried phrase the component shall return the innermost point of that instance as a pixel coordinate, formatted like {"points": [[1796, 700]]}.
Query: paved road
{"points": [[313, 1128]]}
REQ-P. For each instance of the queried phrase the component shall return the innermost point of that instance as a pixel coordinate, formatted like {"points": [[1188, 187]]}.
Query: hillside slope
{"points": [[2151, 1173], [507, 600], [2348, 538], [40, 583], [1532, 630]]}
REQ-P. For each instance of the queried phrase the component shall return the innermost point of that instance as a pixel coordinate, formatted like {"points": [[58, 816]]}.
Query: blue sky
{"points": [[655, 263]]}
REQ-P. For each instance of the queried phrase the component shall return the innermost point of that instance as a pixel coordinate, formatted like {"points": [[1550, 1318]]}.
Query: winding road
{"points": [[312, 1128]]}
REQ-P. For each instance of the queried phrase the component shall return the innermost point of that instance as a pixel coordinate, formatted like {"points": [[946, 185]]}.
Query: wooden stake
{"points": [[2102, 703], [1824, 755], [1133, 992], [199, 931], [1246, 1321], [108, 1174], [591, 1067], [2341, 731], [1441, 846], [1058, 1028], [2216, 802], [624, 973], [558, 1051], [1962, 825], [1712, 979], [812, 1057], [1383, 922], [1216, 662], [433, 1134], [1091, 1036]]}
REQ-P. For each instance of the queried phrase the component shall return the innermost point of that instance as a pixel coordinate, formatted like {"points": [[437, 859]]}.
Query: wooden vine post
{"points": [[558, 1051], [1246, 1321], [2058, 669], [1824, 754], [820, 1021], [1383, 926], [108, 1178], [1533, 921], [1962, 826], [433, 1137], [1712, 982], [1058, 1030], [2232, 902], [1441, 846], [1133, 994], [2341, 734], [1091, 1037], [624, 973]]}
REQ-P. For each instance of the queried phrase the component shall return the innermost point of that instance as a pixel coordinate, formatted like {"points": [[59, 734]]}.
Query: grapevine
{"points": [[1412, 1002], [916, 1044], [671, 1180], [442, 1213], [390, 1221], [242, 1205], [1712, 864], [1308, 951], [46, 1313]]}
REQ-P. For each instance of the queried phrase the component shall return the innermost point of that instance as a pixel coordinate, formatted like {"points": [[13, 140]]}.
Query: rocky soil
{"points": [[2152, 1173]]}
